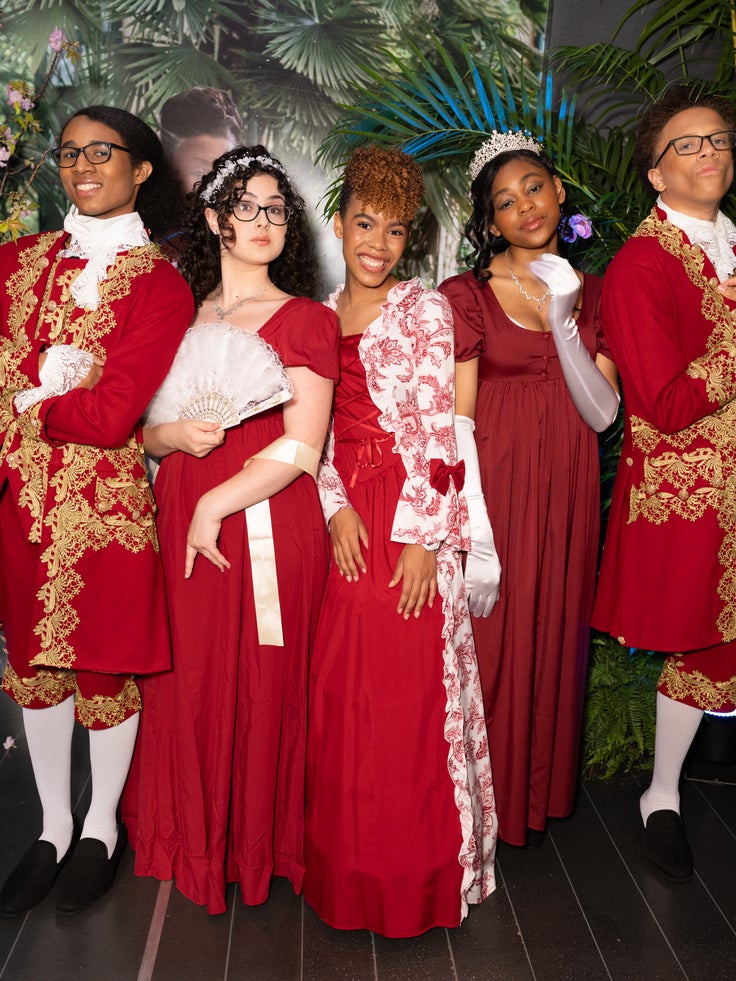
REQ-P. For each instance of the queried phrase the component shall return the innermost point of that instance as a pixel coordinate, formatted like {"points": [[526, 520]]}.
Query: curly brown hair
{"points": [[385, 178], [294, 270], [676, 99]]}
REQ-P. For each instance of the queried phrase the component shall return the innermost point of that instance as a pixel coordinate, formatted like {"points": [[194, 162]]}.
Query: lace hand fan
{"points": [[220, 374]]}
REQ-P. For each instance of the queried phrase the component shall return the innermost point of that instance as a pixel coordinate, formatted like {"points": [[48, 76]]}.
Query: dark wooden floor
{"points": [[583, 905]]}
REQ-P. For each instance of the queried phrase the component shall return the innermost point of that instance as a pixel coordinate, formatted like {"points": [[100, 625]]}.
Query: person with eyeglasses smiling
{"points": [[91, 319], [667, 576]]}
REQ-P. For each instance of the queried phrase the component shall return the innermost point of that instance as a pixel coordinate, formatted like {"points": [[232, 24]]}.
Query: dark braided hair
{"points": [[294, 271]]}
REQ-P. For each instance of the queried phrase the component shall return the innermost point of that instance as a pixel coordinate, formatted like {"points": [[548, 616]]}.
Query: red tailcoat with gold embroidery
{"points": [[73, 464], [668, 575]]}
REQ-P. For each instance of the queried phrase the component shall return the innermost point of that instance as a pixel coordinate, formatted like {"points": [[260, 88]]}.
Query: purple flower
{"points": [[57, 39], [582, 226], [575, 226]]}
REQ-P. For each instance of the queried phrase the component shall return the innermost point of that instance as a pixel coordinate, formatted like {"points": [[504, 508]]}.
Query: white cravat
{"points": [[98, 240], [716, 238]]}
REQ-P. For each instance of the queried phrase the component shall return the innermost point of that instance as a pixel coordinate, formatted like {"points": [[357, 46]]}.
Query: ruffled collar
{"points": [[716, 238], [98, 240]]}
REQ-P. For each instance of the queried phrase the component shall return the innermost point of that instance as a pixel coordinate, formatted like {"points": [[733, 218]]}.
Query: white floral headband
{"points": [[230, 167], [502, 143]]}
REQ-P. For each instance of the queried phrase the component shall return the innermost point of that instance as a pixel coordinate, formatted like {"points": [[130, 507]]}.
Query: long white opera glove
{"points": [[482, 568], [589, 389], [64, 367]]}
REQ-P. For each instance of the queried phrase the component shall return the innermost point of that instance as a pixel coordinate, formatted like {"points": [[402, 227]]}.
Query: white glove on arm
{"points": [[589, 389], [482, 568]]}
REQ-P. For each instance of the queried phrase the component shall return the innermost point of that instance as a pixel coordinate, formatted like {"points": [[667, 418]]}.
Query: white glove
{"points": [[589, 389], [63, 368], [482, 568]]}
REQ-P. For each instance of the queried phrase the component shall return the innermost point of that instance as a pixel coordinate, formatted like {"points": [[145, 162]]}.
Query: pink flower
{"points": [[14, 96], [4, 155], [9, 743], [57, 39]]}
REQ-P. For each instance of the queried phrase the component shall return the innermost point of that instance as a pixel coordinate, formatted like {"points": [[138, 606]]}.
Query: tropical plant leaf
{"points": [[322, 40], [156, 73], [193, 20]]}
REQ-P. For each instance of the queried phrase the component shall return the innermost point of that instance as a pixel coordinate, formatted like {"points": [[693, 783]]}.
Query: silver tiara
{"points": [[502, 143], [230, 167]]}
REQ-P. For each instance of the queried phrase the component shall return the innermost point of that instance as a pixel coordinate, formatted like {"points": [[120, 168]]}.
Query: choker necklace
{"points": [[221, 314], [539, 300]]}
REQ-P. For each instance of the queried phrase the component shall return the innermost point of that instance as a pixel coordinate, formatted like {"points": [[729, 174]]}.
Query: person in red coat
{"points": [[91, 320], [667, 577]]}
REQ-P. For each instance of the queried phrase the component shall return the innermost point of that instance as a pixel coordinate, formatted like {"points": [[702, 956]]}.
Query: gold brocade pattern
{"points": [[50, 687], [104, 712], [78, 498], [77, 525], [693, 686], [692, 471]]}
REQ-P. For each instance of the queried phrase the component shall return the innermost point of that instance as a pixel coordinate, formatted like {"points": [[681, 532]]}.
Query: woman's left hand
{"points": [[417, 572], [204, 530]]}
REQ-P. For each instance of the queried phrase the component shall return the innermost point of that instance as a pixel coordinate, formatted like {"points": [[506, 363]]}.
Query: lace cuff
{"points": [[64, 367]]}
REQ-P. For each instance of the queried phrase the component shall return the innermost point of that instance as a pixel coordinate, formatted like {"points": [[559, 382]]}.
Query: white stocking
{"points": [[110, 753], [49, 738], [677, 724]]}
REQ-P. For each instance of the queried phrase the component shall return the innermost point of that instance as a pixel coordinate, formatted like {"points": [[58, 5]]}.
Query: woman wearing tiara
{"points": [[535, 383], [401, 817], [222, 755]]}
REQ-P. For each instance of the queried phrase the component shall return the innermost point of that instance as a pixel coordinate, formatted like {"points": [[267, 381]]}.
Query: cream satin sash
{"points": [[260, 540]]}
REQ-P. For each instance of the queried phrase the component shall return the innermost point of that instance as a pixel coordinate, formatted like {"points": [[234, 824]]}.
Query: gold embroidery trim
{"points": [[104, 712], [686, 686], [91, 497], [688, 473], [50, 687]]}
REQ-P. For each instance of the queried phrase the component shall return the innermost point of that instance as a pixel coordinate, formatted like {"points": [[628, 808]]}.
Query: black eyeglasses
{"points": [[277, 214], [98, 152], [686, 146]]}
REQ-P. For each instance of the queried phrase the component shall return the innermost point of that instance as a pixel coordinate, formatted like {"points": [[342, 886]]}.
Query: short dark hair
{"points": [[676, 99], [197, 111], [159, 199]]}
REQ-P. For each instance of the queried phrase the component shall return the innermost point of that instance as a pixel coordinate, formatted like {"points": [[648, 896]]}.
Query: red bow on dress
{"points": [[440, 473]]}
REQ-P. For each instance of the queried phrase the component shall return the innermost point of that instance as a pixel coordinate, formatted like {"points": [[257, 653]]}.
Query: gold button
{"points": [[135, 515], [651, 489], [683, 494], [52, 304], [44, 262], [629, 462], [11, 459]]}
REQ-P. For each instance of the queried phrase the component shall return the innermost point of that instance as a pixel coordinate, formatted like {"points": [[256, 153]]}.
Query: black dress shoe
{"points": [[88, 874], [32, 878], [666, 846]]}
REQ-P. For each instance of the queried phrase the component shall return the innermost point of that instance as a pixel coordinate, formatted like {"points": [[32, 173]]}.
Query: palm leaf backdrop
{"points": [[443, 105]]}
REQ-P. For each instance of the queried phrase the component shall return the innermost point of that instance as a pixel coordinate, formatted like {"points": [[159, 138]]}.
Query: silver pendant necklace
{"points": [[539, 300], [221, 314]]}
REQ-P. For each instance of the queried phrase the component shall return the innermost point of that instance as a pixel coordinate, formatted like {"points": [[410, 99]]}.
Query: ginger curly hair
{"points": [[385, 178]]}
